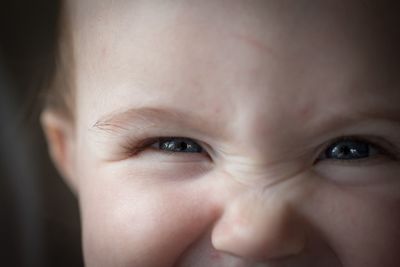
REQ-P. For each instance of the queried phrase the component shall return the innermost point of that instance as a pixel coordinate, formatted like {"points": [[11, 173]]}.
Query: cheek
{"points": [[361, 225], [128, 219]]}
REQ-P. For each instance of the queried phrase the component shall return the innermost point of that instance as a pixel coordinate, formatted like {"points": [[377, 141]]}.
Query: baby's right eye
{"points": [[177, 145]]}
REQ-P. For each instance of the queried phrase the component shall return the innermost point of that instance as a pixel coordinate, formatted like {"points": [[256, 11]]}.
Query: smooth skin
{"points": [[257, 92]]}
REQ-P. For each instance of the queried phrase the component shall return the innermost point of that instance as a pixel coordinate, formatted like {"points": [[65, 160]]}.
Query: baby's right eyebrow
{"points": [[117, 123]]}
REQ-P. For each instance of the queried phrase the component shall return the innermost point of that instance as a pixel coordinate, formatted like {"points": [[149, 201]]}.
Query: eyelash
{"points": [[378, 149]]}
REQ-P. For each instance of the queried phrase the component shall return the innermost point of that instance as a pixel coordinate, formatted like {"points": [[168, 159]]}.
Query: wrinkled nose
{"points": [[259, 227]]}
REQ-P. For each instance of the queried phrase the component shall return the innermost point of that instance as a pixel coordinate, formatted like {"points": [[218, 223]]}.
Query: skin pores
{"points": [[264, 88]]}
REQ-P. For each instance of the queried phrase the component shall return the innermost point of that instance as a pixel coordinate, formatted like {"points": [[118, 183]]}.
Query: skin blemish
{"points": [[305, 112], [254, 43]]}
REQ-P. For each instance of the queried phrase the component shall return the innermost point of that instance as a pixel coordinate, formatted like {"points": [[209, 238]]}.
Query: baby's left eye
{"points": [[177, 144], [349, 149]]}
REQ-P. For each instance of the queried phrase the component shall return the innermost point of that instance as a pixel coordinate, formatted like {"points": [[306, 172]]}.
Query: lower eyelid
{"points": [[375, 160], [172, 157]]}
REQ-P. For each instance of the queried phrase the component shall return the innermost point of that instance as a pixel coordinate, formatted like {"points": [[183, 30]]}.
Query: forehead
{"points": [[258, 60]]}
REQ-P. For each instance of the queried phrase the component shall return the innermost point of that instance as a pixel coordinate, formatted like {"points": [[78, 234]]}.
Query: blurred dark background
{"points": [[39, 221]]}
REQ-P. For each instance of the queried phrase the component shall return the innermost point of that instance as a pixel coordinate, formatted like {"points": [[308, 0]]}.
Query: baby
{"points": [[220, 133]]}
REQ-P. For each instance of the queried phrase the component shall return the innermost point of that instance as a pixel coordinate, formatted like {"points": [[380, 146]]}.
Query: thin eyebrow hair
{"points": [[342, 120], [385, 115], [149, 117]]}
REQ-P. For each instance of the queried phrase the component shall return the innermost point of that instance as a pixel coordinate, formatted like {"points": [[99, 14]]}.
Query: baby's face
{"points": [[236, 133]]}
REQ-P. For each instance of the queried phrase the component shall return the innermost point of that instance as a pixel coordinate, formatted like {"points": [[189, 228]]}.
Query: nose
{"points": [[259, 226]]}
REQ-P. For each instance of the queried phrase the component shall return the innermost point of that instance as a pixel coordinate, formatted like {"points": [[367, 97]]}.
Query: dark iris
{"points": [[348, 150], [179, 145]]}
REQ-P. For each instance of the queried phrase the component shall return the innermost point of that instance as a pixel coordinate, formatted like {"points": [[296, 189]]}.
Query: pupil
{"points": [[345, 150], [181, 146]]}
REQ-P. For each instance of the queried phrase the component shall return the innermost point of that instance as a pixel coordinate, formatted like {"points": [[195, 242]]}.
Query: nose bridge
{"points": [[261, 223]]}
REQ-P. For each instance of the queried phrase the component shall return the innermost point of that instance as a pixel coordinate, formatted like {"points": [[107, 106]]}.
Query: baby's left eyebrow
{"points": [[342, 119]]}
